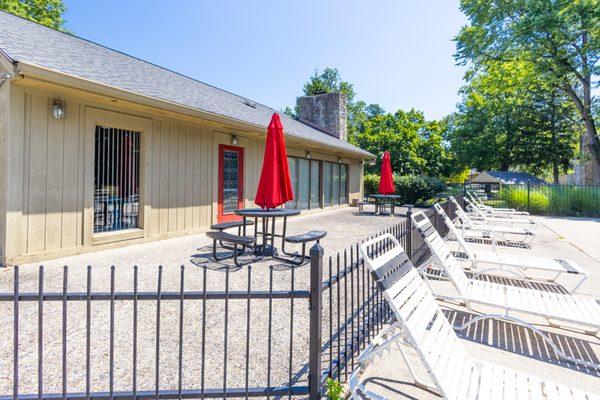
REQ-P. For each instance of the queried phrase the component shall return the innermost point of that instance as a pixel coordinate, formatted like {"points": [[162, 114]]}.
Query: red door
{"points": [[231, 182]]}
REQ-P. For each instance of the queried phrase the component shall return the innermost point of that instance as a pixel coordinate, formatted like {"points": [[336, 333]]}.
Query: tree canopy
{"points": [[560, 39], [511, 117], [45, 12]]}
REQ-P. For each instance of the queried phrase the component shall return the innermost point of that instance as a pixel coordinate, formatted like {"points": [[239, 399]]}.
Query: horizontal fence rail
{"points": [[159, 304], [178, 337]]}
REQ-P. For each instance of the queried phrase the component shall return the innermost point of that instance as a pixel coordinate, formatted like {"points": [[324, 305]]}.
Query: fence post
{"points": [[316, 320], [409, 226], [528, 197]]}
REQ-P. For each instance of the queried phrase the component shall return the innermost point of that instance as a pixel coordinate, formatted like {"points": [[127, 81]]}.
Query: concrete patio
{"points": [[344, 226], [511, 345], [502, 343]]}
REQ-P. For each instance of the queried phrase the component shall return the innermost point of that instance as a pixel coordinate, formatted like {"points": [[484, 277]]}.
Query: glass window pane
{"points": [[116, 179], [314, 185], [335, 184], [344, 184], [294, 180], [230, 181], [327, 183], [303, 183]]}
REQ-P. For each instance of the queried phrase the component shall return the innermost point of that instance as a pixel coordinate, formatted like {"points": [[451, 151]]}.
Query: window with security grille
{"points": [[230, 181], [116, 179]]}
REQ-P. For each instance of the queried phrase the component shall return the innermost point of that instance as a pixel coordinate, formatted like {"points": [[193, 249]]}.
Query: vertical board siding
{"points": [[181, 166], [70, 178], [15, 237], [163, 215], [38, 152], [54, 182], [46, 203], [154, 219], [47, 167]]}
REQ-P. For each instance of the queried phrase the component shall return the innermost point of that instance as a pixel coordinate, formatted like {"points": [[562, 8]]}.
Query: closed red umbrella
{"points": [[274, 186], [386, 182]]}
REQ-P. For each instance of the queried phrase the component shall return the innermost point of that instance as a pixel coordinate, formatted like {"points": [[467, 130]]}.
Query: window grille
{"points": [[116, 179]]}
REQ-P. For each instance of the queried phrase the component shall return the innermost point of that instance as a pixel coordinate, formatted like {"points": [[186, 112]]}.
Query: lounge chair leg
{"points": [[417, 381]]}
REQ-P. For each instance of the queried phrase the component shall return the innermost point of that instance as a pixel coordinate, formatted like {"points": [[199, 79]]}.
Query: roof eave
{"points": [[39, 72]]}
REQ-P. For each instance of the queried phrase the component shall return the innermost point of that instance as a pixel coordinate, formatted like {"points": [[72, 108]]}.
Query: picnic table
{"points": [[267, 231], [383, 200]]}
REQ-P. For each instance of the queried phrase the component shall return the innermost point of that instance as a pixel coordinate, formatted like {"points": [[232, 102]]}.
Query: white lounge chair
{"points": [[421, 325], [480, 215], [477, 201], [521, 233], [516, 262], [583, 312]]}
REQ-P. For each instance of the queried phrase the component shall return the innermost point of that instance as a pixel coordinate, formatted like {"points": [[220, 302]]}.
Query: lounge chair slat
{"points": [[514, 260], [560, 307], [450, 367]]}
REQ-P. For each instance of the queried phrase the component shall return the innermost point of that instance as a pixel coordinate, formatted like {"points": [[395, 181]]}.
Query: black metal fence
{"points": [[174, 337], [555, 200]]}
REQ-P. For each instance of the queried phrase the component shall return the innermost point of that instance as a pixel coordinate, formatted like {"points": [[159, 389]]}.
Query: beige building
{"points": [[99, 149]]}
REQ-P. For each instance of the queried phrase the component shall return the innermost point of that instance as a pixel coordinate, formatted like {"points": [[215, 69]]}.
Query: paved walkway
{"points": [[582, 233]]}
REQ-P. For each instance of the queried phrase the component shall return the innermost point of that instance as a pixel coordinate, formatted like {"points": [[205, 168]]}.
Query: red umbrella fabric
{"points": [[274, 186], [386, 183]]}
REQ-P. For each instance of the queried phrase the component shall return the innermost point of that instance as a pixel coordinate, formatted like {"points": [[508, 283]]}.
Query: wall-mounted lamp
{"points": [[339, 160], [308, 156], [58, 109], [234, 140], [5, 77]]}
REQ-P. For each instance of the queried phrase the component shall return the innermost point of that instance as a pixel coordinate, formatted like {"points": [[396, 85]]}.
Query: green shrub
{"points": [[561, 200], [567, 200], [371, 184], [517, 197], [334, 389], [416, 189], [574, 200]]}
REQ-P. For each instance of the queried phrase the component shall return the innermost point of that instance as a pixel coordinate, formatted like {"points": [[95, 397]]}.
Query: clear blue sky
{"points": [[397, 53]]}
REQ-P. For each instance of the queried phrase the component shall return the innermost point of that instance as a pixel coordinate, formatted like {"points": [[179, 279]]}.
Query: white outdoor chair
{"points": [[478, 214], [516, 262], [520, 233], [494, 211], [565, 309], [421, 325]]}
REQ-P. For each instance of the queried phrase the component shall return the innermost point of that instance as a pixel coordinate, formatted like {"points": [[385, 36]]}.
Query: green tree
{"points": [[511, 117], [46, 12], [416, 145], [560, 38]]}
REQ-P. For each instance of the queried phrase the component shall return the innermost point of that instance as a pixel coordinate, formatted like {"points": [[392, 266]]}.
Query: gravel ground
{"points": [[344, 228]]}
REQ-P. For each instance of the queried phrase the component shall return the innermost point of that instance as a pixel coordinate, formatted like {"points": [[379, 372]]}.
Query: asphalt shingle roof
{"points": [[30, 43], [507, 177]]}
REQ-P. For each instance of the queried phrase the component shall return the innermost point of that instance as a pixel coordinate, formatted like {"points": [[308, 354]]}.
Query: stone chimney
{"points": [[326, 112]]}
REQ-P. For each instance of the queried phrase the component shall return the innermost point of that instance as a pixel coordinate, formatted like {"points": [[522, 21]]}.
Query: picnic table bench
{"points": [[304, 238], [235, 240]]}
